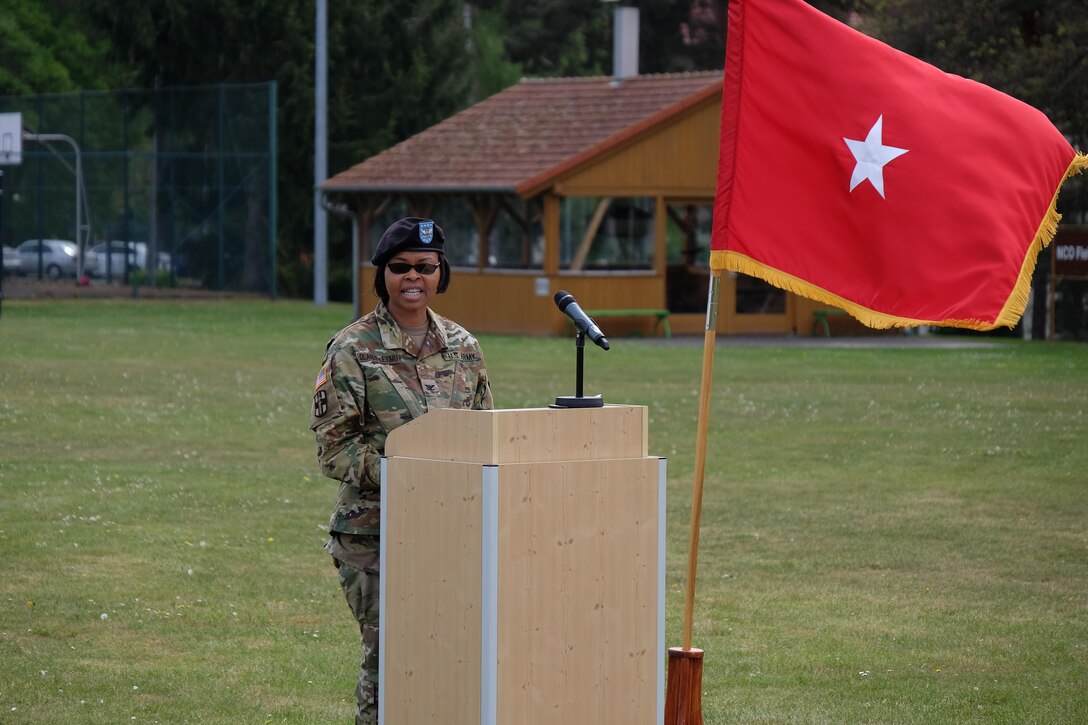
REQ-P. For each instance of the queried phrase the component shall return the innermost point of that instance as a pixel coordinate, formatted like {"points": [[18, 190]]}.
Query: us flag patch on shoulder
{"points": [[322, 377]]}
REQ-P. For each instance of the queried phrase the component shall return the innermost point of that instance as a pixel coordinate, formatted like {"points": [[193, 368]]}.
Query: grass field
{"points": [[889, 535]]}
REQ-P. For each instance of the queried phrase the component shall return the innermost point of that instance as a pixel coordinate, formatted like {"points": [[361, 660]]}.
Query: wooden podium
{"points": [[523, 569]]}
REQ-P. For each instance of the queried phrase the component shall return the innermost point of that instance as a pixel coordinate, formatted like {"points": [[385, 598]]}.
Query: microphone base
{"points": [[578, 401]]}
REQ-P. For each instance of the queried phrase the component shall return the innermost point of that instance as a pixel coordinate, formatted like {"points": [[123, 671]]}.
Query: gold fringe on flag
{"points": [[1018, 300], [1010, 313]]}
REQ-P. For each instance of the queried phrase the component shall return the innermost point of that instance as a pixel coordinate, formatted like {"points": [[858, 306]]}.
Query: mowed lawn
{"points": [[890, 534]]}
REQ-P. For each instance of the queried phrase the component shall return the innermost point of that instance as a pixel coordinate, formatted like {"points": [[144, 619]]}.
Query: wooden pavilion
{"points": [[598, 186]]}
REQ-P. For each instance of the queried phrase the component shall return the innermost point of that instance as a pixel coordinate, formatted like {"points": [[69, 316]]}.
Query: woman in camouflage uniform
{"points": [[380, 372]]}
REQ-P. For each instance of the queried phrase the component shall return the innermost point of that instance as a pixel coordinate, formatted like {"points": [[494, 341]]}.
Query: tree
{"points": [[491, 70], [394, 69], [1035, 50], [44, 50], [574, 37], [556, 37]]}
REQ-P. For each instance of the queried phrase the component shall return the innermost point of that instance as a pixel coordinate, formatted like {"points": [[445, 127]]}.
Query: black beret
{"points": [[410, 234]]}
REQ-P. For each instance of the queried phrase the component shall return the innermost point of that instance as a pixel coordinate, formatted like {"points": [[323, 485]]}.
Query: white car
{"points": [[57, 258], [113, 258], [13, 263]]}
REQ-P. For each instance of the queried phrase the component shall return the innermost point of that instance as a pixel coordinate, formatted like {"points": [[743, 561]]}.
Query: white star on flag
{"points": [[871, 155]]}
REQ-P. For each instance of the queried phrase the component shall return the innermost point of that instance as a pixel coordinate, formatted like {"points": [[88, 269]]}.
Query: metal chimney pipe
{"points": [[624, 43]]}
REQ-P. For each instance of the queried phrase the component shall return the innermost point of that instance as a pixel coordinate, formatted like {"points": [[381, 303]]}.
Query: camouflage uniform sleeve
{"points": [[337, 421]]}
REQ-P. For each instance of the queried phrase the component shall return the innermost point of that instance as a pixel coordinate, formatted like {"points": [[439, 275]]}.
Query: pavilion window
{"points": [[606, 233], [453, 214], [517, 237]]}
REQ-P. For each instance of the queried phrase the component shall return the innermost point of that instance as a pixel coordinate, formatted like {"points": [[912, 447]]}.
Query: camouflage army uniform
{"points": [[372, 381]]}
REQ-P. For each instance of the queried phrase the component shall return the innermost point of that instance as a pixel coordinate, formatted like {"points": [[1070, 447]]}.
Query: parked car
{"points": [[59, 257], [163, 257], [115, 257], [13, 263]]}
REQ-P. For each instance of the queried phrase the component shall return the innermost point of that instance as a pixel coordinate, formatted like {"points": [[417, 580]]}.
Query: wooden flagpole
{"points": [[684, 692]]}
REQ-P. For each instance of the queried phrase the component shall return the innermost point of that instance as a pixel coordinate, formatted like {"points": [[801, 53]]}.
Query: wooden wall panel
{"points": [[678, 159], [507, 301]]}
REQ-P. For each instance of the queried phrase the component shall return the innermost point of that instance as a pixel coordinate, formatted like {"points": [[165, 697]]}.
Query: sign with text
{"points": [[1071, 252]]}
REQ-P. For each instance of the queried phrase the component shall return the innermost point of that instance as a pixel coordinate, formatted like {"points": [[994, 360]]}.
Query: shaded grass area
{"points": [[889, 535]]}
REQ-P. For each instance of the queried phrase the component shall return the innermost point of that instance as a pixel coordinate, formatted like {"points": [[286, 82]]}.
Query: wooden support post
{"points": [[579, 258], [485, 209], [684, 690]]}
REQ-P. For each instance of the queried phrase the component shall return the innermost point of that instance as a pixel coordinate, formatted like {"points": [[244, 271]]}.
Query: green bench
{"points": [[819, 317], [661, 317]]}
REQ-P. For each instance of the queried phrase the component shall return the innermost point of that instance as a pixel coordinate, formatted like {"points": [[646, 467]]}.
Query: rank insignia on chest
{"points": [[321, 403], [430, 386]]}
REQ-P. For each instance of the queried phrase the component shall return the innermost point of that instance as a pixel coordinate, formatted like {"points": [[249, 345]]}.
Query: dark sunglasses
{"points": [[403, 267]]}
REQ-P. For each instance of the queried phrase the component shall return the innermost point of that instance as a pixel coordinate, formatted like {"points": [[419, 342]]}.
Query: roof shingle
{"points": [[518, 139]]}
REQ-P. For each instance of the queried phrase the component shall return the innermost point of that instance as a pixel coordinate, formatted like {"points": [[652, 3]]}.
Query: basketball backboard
{"points": [[11, 139]]}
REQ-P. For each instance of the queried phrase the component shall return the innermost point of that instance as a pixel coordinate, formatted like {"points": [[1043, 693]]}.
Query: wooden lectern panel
{"points": [[524, 586], [577, 592], [431, 573], [524, 436]]}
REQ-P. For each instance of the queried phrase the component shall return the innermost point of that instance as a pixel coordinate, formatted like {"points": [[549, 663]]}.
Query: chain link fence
{"points": [[165, 187]]}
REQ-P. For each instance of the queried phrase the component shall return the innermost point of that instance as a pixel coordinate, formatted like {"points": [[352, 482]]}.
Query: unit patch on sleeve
{"points": [[326, 401], [321, 404]]}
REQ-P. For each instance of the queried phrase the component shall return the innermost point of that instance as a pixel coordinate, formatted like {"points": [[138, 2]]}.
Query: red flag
{"points": [[860, 176]]}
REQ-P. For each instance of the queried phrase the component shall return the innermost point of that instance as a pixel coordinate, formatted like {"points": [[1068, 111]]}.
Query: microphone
{"points": [[565, 301]]}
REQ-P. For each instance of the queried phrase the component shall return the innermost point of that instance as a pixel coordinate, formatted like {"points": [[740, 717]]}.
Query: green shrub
{"points": [[165, 278]]}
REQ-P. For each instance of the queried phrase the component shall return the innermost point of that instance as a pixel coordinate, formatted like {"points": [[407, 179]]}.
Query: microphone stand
{"points": [[578, 400]]}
